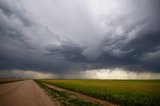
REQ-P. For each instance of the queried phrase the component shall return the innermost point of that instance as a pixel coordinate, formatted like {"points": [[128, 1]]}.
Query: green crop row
{"points": [[123, 92]]}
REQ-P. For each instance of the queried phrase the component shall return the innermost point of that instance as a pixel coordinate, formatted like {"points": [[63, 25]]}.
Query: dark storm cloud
{"points": [[11, 12], [69, 52], [74, 36], [140, 54]]}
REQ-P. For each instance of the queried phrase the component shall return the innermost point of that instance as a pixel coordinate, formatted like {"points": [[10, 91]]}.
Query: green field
{"points": [[65, 98], [123, 92]]}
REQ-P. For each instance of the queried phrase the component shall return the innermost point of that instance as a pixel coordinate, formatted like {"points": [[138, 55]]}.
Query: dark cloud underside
{"points": [[72, 36]]}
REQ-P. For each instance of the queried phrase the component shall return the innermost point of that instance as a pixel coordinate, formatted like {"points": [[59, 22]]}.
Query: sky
{"points": [[97, 39]]}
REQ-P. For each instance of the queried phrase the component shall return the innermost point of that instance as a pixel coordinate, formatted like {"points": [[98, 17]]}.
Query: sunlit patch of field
{"points": [[123, 92]]}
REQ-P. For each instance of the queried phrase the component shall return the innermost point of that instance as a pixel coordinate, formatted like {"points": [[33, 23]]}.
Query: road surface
{"points": [[23, 93]]}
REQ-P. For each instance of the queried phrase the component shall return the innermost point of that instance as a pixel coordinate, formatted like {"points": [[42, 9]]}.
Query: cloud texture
{"points": [[65, 37]]}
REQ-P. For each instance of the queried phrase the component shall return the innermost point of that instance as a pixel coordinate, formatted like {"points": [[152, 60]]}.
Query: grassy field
{"points": [[8, 80], [123, 92], [64, 98]]}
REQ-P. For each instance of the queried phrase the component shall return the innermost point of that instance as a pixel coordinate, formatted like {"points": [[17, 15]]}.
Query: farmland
{"points": [[123, 92], [65, 98]]}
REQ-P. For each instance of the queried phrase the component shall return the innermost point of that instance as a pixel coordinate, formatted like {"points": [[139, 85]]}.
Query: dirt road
{"points": [[23, 93]]}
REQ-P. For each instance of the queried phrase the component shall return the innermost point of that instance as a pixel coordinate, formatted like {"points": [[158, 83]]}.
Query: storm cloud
{"points": [[66, 37]]}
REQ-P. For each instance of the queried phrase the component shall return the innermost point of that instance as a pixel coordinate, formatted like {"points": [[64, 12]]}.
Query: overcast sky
{"points": [[80, 38]]}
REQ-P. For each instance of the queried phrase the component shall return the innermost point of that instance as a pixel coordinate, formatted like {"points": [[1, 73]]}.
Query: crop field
{"points": [[123, 92], [65, 98]]}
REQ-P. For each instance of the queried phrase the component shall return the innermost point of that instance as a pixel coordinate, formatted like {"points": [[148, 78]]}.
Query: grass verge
{"points": [[3, 81], [64, 98]]}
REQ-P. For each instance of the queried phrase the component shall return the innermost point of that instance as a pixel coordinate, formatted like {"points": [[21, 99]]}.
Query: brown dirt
{"points": [[81, 96], [24, 93]]}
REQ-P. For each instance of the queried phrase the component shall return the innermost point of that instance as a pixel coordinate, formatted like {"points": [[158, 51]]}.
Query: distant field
{"points": [[8, 80], [123, 92]]}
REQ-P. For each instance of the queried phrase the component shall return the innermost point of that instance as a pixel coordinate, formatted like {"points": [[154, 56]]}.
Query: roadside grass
{"points": [[123, 92], [64, 98], [7, 80]]}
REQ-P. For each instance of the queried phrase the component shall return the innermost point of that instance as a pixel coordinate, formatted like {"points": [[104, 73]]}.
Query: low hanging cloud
{"points": [[118, 74], [26, 74], [66, 37]]}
